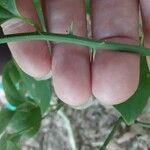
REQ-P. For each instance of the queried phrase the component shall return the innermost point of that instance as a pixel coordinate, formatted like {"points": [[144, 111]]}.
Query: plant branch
{"points": [[110, 136], [69, 129], [94, 44], [143, 124]]}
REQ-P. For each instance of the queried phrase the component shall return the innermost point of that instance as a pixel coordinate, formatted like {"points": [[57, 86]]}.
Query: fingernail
{"points": [[89, 103], [12, 24], [46, 77]]}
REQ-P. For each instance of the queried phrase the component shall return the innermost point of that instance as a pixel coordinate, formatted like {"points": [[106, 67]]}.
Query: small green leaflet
{"points": [[8, 10], [134, 106]]}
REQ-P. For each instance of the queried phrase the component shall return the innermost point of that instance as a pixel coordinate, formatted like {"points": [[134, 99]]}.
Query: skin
{"points": [[70, 63], [115, 75], [24, 52], [112, 76]]}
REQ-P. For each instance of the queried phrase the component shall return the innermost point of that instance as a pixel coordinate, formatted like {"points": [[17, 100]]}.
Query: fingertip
{"points": [[114, 82], [73, 94], [71, 73], [115, 75], [90, 101], [75, 100], [109, 99], [46, 77]]}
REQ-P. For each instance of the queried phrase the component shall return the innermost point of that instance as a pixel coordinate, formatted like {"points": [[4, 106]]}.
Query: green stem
{"points": [[38, 7], [110, 136], [143, 124], [57, 108], [74, 40]]}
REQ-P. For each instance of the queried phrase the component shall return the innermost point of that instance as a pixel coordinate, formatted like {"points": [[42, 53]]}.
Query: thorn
{"points": [[71, 28], [94, 53], [103, 42], [91, 54]]}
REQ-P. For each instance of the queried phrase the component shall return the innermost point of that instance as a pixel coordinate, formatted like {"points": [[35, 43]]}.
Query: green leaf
{"points": [[27, 122], [38, 7], [133, 107], [10, 79], [3, 142], [10, 6], [15, 137], [5, 116], [7, 144], [8, 10], [87, 2], [39, 91], [19, 87], [12, 146]]}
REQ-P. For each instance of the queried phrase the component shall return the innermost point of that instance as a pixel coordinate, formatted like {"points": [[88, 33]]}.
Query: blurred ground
{"points": [[90, 127]]}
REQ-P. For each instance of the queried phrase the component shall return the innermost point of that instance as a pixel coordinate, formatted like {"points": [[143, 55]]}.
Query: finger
{"points": [[70, 63], [32, 56], [145, 10], [115, 75]]}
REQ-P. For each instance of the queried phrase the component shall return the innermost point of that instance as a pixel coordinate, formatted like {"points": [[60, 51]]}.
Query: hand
{"points": [[112, 77]]}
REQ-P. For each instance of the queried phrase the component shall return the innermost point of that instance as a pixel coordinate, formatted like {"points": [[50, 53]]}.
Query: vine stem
{"points": [[67, 38], [69, 129], [110, 136], [143, 124]]}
